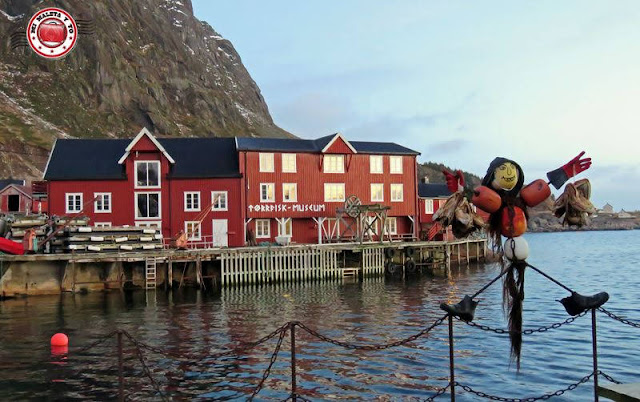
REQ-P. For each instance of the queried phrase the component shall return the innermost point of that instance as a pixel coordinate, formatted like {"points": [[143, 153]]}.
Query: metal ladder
{"points": [[150, 273]]}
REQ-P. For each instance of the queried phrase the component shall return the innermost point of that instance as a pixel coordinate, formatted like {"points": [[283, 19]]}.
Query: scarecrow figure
{"points": [[505, 198]]}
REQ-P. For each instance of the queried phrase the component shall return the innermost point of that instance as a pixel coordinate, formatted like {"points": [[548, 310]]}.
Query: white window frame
{"points": [[102, 224], [199, 231], [373, 165], [329, 168], [273, 192], [135, 174], [334, 184], [389, 226], [395, 199], [266, 159], [186, 196], [214, 194], [381, 192], [95, 203], [149, 224], [135, 205], [66, 202], [295, 189], [428, 206], [295, 163], [283, 224], [263, 235], [392, 165]]}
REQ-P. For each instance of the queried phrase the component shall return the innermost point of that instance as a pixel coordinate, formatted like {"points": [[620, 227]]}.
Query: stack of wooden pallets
{"points": [[117, 238]]}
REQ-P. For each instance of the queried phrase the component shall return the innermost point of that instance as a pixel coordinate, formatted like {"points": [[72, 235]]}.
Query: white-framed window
{"points": [[147, 205], [289, 163], [73, 202], [219, 201], [428, 206], [333, 163], [149, 224], [102, 224], [377, 192], [102, 203], [147, 174], [285, 228], [193, 230], [375, 164], [192, 200], [391, 225], [333, 192], [397, 192], [395, 164], [266, 162], [267, 192], [263, 228], [289, 192]]}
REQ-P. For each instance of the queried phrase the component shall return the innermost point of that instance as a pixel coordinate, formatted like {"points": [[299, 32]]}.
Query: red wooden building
{"points": [[287, 188], [15, 198], [431, 196]]}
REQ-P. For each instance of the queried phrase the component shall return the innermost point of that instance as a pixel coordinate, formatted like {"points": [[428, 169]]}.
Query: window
{"points": [[285, 227], [192, 229], [267, 193], [289, 163], [147, 205], [74, 202], [147, 174], [266, 162], [333, 192], [377, 192], [150, 224], [263, 229], [375, 164], [192, 200], [102, 224], [397, 192], [334, 163], [428, 206], [289, 192], [391, 226], [219, 201], [395, 164], [102, 203]]}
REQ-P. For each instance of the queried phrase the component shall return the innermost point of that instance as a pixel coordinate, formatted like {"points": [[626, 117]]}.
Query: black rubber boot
{"points": [[577, 303], [465, 309]]}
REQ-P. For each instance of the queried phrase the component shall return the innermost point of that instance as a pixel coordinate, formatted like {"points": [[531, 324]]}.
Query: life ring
{"points": [[389, 252], [409, 251], [410, 266]]}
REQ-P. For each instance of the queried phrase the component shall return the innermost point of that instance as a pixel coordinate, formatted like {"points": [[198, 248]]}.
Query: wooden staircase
{"points": [[150, 271]]}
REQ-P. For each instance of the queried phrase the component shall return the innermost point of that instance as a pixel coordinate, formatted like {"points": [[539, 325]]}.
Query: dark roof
{"points": [[433, 190], [5, 182], [316, 146], [98, 159]]}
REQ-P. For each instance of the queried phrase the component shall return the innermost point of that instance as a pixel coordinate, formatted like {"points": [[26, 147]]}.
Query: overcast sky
{"points": [[460, 82]]}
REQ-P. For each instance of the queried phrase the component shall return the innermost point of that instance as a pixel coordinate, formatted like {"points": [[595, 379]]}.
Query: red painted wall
{"points": [[339, 147], [25, 202], [425, 217]]}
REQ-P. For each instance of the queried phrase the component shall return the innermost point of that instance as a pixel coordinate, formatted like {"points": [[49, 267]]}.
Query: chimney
{"points": [[425, 179]]}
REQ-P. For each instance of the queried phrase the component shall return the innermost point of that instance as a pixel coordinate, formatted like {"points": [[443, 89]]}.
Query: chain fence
{"points": [[526, 331], [618, 318], [608, 377], [440, 392], [267, 371]]}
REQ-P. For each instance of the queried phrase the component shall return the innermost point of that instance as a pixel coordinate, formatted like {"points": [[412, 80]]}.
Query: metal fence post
{"points": [[294, 389], [594, 339], [452, 379], [120, 369]]}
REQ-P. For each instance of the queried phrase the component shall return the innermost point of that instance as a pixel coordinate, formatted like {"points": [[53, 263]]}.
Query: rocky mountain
{"points": [[143, 63], [433, 172]]}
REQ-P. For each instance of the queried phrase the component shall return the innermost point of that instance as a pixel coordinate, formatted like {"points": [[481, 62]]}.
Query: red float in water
{"points": [[59, 339]]}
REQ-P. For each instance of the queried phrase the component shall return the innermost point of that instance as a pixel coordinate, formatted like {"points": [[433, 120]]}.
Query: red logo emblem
{"points": [[52, 33]]}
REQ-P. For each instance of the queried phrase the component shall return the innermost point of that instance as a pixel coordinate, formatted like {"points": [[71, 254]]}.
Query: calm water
{"points": [[193, 323]]}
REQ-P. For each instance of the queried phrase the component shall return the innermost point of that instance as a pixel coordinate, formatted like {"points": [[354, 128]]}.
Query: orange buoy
{"points": [[59, 339], [514, 222]]}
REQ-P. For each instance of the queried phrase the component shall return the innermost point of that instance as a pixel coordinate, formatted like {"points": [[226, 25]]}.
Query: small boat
{"points": [[11, 247]]}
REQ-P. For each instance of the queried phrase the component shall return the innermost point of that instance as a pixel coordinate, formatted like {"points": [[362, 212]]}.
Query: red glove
{"points": [[455, 182], [576, 165]]}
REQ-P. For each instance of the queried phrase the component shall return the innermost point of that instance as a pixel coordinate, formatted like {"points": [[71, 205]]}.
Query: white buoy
{"points": [[517, 246]]}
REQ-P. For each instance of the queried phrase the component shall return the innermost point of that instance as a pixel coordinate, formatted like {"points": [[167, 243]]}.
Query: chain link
{"points": [[608, 377], [526, 331], [381, 346], [267, 371], [145, 368], [437, 394], [618, 318], [529, 399], [96, 343]]}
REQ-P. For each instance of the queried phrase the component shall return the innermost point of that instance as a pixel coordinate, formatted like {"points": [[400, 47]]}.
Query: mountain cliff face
{"points": [[146, 63]]}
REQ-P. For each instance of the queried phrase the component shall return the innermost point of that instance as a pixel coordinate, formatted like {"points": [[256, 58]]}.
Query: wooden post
{"points": [[467, 244], [73, 278], [170, 273]]}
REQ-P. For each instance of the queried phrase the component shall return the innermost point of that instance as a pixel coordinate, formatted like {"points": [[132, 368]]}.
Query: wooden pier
{"points": [[214, 267]]}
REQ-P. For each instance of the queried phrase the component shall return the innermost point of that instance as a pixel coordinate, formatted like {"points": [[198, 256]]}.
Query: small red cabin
{"points": [[15, 198], [431, 196]]}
